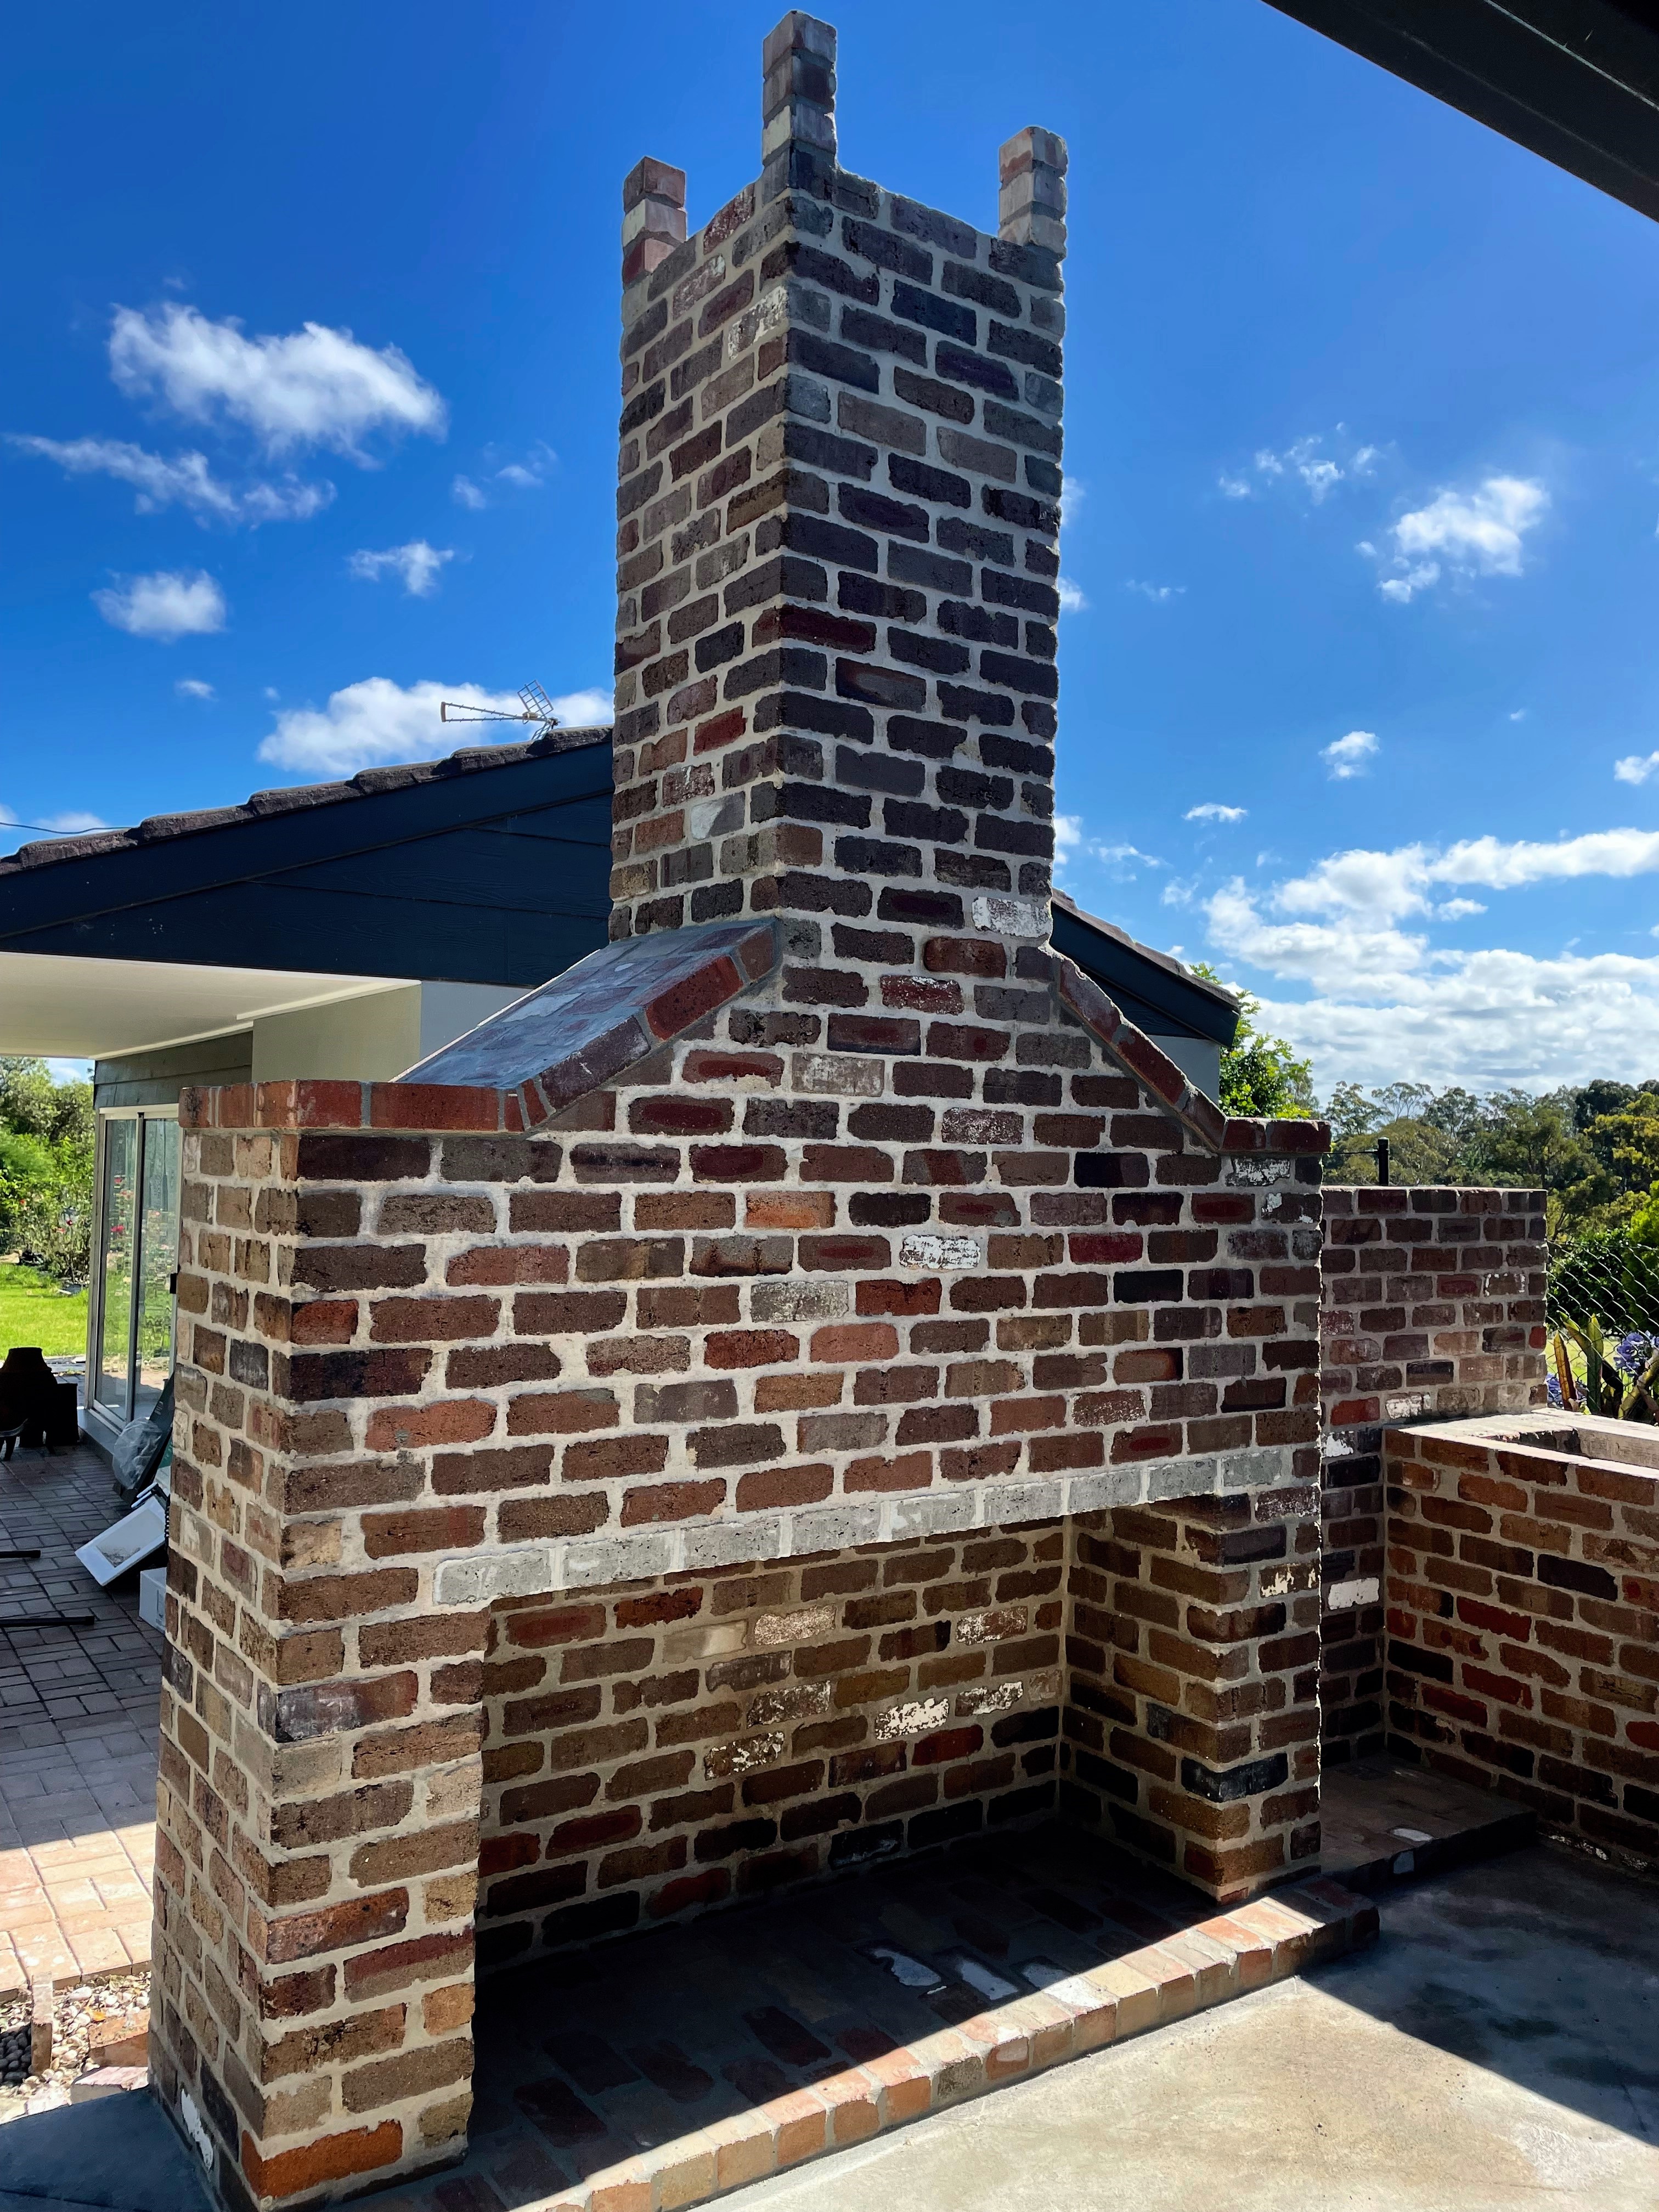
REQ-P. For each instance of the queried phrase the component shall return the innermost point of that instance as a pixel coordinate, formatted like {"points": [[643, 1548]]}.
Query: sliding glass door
{"points": [[131, 1321]]}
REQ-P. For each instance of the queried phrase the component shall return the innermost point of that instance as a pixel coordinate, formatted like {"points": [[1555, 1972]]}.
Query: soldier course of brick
{"points": [[812, 1382]]}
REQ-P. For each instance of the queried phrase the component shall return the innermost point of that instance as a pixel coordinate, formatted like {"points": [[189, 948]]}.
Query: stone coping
{"points": [[605, 1015], [592, 1033], [485, 1572]]}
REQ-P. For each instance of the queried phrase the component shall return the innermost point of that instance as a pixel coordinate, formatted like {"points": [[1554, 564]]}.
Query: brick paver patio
{"points": [[665, 2068], [78, 1712]]}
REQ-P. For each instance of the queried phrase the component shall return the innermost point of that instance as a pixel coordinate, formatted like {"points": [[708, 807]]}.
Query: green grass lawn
{"points": [[34, 1310]]}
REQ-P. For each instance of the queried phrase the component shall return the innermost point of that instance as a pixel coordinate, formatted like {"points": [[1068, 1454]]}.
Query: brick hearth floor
{"points": [[78, 1710], [670, 2066]]}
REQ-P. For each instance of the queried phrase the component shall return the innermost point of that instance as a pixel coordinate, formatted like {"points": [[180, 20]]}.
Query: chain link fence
{"points": [[1601, 1309]]}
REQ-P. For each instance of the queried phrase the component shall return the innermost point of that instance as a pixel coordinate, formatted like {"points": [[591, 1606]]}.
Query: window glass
{"points": [[158, 1251], [116, 1231]]}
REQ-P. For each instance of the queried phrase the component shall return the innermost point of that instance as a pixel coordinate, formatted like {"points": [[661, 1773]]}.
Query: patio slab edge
{"points": [[1245, 1948]]}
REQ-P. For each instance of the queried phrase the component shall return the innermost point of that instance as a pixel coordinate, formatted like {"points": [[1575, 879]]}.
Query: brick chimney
{"points": [[815, 1344], [838, 510]]}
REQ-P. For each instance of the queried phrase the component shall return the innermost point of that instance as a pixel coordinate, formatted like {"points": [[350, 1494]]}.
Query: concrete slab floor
{"points": [[1497, 2047]]}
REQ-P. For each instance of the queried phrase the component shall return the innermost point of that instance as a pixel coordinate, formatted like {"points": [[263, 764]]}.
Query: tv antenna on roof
{"points": [[537, 707]]}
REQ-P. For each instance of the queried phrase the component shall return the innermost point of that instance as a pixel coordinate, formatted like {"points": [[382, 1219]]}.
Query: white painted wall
{"points": [[373, 1038]]}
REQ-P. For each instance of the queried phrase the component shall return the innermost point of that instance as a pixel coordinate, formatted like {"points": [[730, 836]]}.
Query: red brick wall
{"points": [[1432, 1304], [658, 1747], [1523, 1620]]}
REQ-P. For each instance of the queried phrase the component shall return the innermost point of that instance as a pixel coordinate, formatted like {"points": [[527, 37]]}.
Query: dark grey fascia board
{"points": [[1575, 81], [1154, 996], [81, 888]]}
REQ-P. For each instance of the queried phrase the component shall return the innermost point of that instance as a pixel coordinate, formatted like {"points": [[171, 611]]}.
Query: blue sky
{"points": [[309, 404]]}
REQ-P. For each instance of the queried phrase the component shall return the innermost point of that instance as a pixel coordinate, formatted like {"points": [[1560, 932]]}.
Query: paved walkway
{"points": [[77, 1736]]}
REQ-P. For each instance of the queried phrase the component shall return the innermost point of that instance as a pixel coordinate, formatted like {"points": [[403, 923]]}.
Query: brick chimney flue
{"points": [[838, 544]]}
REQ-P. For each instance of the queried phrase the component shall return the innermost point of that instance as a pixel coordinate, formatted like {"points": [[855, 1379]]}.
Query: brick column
{"points": [[1192, 1718], [1432, 1306], [320, 1773]]}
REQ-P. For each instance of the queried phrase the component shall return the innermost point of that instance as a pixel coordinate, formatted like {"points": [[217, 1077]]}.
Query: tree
{"points": [[46, 1132], [1529, 1142], [1261, 1074]]}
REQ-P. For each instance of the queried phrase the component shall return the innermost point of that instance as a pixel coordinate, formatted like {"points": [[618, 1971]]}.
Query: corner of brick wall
{"points": [[1432, 1308], [1523, 1628]]}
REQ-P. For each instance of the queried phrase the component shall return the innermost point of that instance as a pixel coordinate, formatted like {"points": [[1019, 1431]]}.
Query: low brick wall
{"points": [[1523, 1618], [658, 1747], [1432, 1304]]}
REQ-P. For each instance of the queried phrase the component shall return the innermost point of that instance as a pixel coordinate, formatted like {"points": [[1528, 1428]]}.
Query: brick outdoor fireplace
{"points": [[810, 1383]]}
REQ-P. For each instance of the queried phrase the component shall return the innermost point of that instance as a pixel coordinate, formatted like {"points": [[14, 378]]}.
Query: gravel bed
{"points": [[74, 2013]]}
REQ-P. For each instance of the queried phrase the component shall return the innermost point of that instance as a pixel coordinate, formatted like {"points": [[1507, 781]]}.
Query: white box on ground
{"points": [[153, 1597], [123, 1545]]}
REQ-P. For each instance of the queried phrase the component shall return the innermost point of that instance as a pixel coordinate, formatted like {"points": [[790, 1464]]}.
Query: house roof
{"points": [[490, 866], [1154, 990]]}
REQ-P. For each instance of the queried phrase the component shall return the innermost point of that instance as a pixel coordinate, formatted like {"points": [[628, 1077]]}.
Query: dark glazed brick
{"points": [[937, 398], [887, 251], [971, 368], [874, 331], [937, 314], [363, 1159], [1224, 1785]]}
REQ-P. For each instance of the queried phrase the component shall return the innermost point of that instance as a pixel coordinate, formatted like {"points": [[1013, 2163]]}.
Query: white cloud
{"points": [[1072, 843], [529, 474], [1303, 462], [191, 687], [379, 720], [1212, 811], [1519, 714], [1386, 886], [183, 480], [1458, 910], [1384, 1006], [416, 564], [1073, 492], [1472, 533], [316, 386], [166, 605], [272, 693], [1072, 599], [1158, 593], [1635, 768], [1350, 756]]}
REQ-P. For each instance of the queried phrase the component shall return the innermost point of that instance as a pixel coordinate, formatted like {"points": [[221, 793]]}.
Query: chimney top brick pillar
{"points": [[798, 107], [837, 545]]}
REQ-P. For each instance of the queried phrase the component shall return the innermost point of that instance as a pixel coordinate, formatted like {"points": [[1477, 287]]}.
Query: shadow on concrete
{"points": [[120, 2154], [1540, 1966]]}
